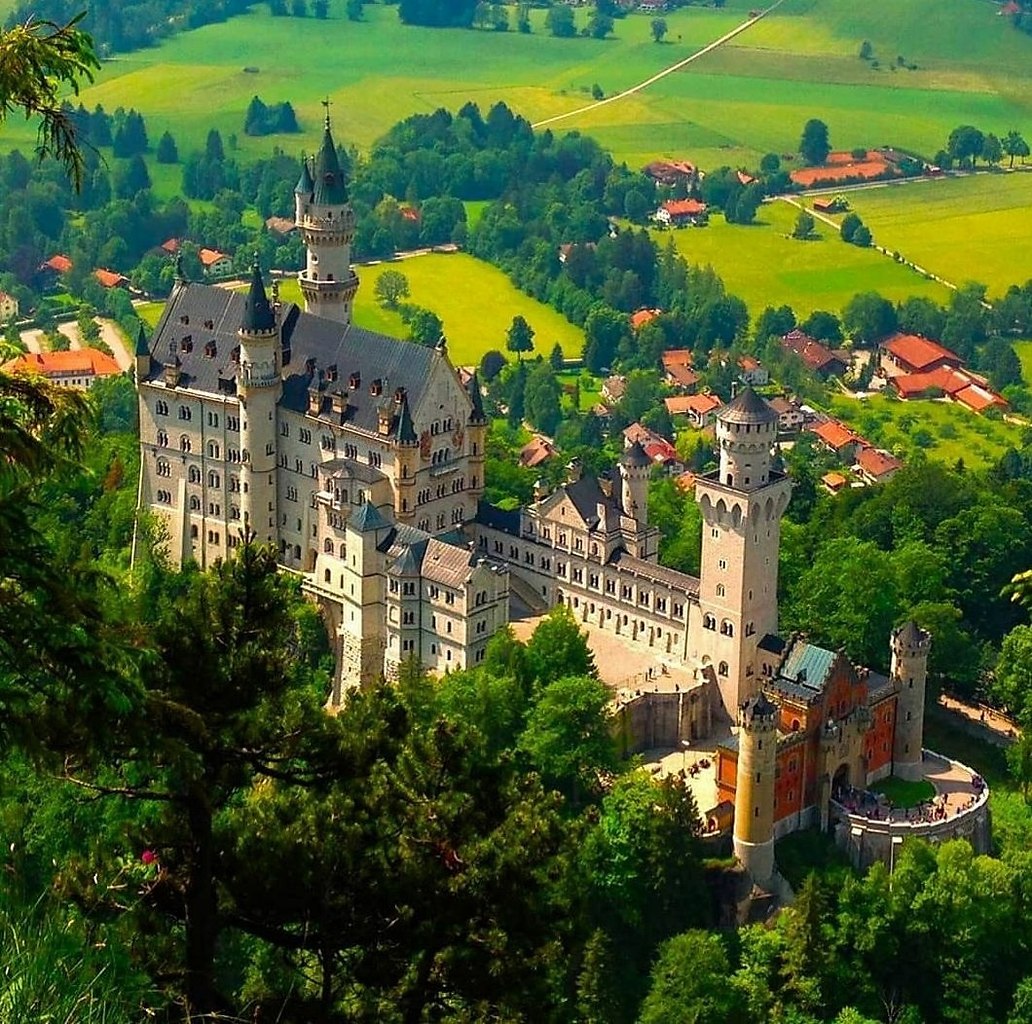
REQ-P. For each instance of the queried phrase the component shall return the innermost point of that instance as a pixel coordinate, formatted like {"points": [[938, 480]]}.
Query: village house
{"points": [[111, 278], [676, 213], [833, 482], [791, 417], [57, 264], [818, 358], [876, 466], [281, 226], [78, 369], [658, 449], [641, 317], [670, 172], [752, 372], [216, 264], [839, 439], [8, 306], [700, 409], [567, 247], [912, 353], [536, 452], [677, 365], [614, 388]]}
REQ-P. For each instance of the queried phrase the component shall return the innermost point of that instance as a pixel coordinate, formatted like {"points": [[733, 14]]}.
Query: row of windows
{"points": [[185, 413]]}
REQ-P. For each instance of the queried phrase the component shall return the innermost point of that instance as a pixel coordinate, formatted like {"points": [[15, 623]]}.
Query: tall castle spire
{"points": [[326, 221]]}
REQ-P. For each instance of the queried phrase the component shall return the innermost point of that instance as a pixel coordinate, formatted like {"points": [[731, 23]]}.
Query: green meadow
{"points": [[475, 300], [963, 229], [765, 266]]}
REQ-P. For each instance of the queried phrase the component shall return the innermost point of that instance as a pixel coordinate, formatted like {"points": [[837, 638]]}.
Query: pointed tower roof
{"points": [[367, 517], [142, 348], [329, 186], [910, 634], [405, 430], [304, 185], [635, 457], [748, 407], [473, 390], [757, 709], [258, 316], [180, 269]]}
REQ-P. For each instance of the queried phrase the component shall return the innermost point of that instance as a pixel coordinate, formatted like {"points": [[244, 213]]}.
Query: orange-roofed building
{"points": [[833, 482], [110, 278], [536, 452], [911, 353], [215, 263], [944, 380], [700, 409], [75, 369], [676, 212], [817, 357], [838, 438], [641, 317], [59, 264], [685, 482], [171, 246], [876, 466], [670, 172], [978, 398], [745, 178], [677, 364]]}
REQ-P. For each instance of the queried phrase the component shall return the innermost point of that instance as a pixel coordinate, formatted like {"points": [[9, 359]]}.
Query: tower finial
{"points": [[326, 107]]}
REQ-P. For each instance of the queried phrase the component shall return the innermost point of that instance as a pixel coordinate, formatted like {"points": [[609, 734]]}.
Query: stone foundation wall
{"points": [[655, 720]]}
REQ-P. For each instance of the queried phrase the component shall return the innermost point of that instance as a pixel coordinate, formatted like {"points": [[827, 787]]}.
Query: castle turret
{"points": [[142, 355], [741, 504], [910, 646], [259, 386], [407, 457], [477, 427], [327, 225], [634, 468], [754, 788]]}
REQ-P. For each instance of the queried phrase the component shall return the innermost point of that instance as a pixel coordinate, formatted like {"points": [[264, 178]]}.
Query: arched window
{"points": [[194, 474], [163, 438], [164, 467], [727, 628], [161, 409], [184, 443], [326, 576], [195, 503], [213, 480], [343, 552], [213, 450], [184, 412], [709, 621], [721, 590], [722, 669], [328, 546]]}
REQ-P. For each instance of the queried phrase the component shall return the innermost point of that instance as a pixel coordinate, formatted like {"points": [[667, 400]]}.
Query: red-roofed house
{"points": [[700, 409], [670, 172], [839, 439], [833, 482], [535, 452], [752, 371], [78, 368], [745, 178], [678, 212], [215, 263], [677, 364], [613, 388], [910, 353], [958, 385], [171, 246], [876, 466], [281, 226], [657, 447], [110, 278], [978, 398], [641, 317], [817, 357], [59, 264]]}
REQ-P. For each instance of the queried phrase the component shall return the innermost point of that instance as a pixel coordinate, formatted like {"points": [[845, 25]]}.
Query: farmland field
{"points": [[475, 300], [763, 265], [963, 229]]}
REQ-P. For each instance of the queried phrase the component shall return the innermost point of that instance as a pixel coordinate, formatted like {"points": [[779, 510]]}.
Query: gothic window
{"points": [[164, 467], [184, 443], [213, 450], [727, 628], [328, 546], [722, 669], [184, 412], [162, 439], [195, 503], [709, 621], [213, 480], [161, 408], [194, 474], [164, 497], [721, 590]]}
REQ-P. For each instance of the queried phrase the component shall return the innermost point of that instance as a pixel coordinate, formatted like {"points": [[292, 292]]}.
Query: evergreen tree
{"points": [[814, 146], [256, 118], [520, 336], [213, 149], [167, 153]]}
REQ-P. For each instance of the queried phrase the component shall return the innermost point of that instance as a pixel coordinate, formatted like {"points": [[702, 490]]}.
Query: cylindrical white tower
{"points": [[746, 431], [259, 386], [327, 225], [910, 646], [754, 788], [635, 467]]}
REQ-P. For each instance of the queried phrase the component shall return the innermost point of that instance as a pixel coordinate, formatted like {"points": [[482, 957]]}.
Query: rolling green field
{"points": [[475, 300], [765, 266], [963, 229], [1024, 351], [954, 432]]}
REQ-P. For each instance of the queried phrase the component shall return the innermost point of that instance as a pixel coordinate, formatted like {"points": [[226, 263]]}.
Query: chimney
{"points": [[574, 471], [173, 372], [605, 483], [339, 399]]}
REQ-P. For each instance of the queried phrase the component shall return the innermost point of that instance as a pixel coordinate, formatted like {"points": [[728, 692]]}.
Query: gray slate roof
{"points": [[368, 517], [747, 407], [330, 189], [192, 307], [635, 456], [656, 573]]}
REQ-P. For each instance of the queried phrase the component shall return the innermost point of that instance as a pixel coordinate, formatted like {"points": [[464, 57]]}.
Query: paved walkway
{"points": [[709, 48]]}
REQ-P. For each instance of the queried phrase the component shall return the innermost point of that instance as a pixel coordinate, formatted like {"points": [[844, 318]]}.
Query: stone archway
{"points": [[841, 779]]}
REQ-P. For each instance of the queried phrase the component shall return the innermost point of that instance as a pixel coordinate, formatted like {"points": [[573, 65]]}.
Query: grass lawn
{"points": [[1024, 353], [942, 430], [590, 387], [764, 265], [903, 793], [962, 229], [475, 300], [149, 312]]}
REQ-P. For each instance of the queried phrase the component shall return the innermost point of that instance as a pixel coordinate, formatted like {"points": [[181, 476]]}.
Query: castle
{"points": [[361, 458]]}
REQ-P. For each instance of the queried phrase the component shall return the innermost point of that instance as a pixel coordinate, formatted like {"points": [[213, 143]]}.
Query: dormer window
{"points": [[184, 320], [331, 372], [186, 345], [210, 350], [376, 388], [355, 381]]}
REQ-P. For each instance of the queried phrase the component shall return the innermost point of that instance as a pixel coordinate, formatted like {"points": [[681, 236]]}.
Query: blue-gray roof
{"points": [[807, 665], [368, 517], [197, 314]]}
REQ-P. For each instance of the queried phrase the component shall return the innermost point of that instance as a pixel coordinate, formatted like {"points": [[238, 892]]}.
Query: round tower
{"points": [[910, 646], [746, 431], [259, 386], [754, 788], [327, 224], [477, 427], [407, 460], [635, 468]]}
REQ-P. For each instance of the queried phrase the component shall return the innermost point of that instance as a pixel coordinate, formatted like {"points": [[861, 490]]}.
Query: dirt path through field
{"points": [[737, 30]]}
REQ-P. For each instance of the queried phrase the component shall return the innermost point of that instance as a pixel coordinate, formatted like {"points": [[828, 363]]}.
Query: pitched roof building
{"points": [[78, 368], [817, 357]]}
